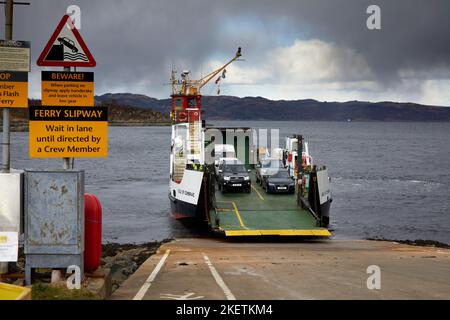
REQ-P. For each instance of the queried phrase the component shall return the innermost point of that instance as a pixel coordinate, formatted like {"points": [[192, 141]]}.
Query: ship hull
{"points": [[186, 199], [183, 210]]}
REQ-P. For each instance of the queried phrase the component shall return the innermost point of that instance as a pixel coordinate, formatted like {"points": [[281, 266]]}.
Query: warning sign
{"points": [[15, 55], [13, 89], [67, 88], [66, 48], [58, 132], [9, 246]]}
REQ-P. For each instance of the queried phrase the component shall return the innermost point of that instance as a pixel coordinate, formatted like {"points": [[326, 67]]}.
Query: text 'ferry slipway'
{"points": [[228, 177]]}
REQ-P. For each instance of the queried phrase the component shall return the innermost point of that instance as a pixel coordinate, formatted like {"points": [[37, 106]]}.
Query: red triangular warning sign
{"points": [[66, 48]]}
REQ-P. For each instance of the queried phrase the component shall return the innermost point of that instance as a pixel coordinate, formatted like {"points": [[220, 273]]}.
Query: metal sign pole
{"points": [[6, 140], [66, 161], [57, 273]]}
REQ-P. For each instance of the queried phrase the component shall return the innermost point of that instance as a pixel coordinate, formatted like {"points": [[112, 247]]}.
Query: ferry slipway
{"points": [[197, 269]]}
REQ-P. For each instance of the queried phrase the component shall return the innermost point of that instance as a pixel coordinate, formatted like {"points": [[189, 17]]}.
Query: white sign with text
{"points": [[9, 246]]}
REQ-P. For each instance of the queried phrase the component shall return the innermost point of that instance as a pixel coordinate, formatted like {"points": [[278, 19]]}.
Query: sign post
{"points": [[67, 125], [66, 160], [14, 65], [6, 158], [14, 68]]}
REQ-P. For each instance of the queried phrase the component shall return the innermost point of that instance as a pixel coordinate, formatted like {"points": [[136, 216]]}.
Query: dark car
{"points": [[278, 181], [233, 176], [267, 166]]}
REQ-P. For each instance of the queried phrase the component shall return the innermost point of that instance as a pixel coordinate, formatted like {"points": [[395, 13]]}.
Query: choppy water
{"points": [[389, 180]]}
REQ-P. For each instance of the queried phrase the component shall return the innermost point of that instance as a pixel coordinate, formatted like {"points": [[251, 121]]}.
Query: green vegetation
{"points": [[125, 115], [42, 291]]}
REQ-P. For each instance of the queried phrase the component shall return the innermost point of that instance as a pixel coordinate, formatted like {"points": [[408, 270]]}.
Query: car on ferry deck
{"points": [[266, 166], [278, 181], [233, 176]]}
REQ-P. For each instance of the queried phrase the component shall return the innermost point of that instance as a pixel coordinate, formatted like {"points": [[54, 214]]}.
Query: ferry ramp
{"points": [[260, 214], [220, 269]]}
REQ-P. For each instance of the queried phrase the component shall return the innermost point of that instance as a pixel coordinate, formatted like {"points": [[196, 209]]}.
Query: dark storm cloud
{"points": [[415, 34], [136, 42]]}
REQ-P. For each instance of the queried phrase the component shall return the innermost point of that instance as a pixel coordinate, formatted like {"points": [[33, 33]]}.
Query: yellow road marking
{"points": [[238, 215], [259, 194], [236, 211], [231, 233], [281, 232]]}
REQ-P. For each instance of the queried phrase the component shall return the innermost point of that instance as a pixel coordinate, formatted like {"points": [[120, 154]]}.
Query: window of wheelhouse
{"points": [[178, 104], [192, 102]]}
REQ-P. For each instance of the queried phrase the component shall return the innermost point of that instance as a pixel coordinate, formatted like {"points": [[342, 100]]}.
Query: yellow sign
{"points": [[13, 89], [67, 88], [68, 132]]}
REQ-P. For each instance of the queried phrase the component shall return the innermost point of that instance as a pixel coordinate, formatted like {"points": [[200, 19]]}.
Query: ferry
{"points": [[198, 190]]}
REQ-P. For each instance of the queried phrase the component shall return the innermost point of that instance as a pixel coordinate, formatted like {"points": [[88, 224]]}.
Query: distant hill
{"points": [[258, 108], [121, 114]]}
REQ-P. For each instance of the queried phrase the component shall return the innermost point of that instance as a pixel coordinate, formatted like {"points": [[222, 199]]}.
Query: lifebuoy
{"points": [[182, 117], [194, 115]]}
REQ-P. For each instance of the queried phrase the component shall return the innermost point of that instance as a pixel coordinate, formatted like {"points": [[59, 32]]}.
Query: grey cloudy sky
{"points": [[293, 49]]}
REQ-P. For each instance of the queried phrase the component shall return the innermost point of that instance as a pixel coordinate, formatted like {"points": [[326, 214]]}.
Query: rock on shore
{"points": [[124, 259]]}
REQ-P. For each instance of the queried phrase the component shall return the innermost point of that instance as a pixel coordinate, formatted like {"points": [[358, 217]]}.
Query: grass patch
{"points": [[41, 291]]}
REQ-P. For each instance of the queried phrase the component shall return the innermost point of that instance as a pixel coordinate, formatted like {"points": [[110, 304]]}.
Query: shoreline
{"points": [[24, 127], [416, 243]]}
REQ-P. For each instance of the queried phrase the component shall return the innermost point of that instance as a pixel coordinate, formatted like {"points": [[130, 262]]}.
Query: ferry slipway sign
{"points": [[67, 124], [76, 132], [66, 48]]}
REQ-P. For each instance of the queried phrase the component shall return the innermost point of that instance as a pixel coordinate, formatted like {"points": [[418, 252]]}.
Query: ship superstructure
{"points": [[187, 162]]}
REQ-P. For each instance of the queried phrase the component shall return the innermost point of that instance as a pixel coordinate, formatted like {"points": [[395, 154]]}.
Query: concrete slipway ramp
{"points": [[326, 269]]}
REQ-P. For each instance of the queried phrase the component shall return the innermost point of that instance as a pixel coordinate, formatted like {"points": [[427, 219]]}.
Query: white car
{"points": [[223, 152]]}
